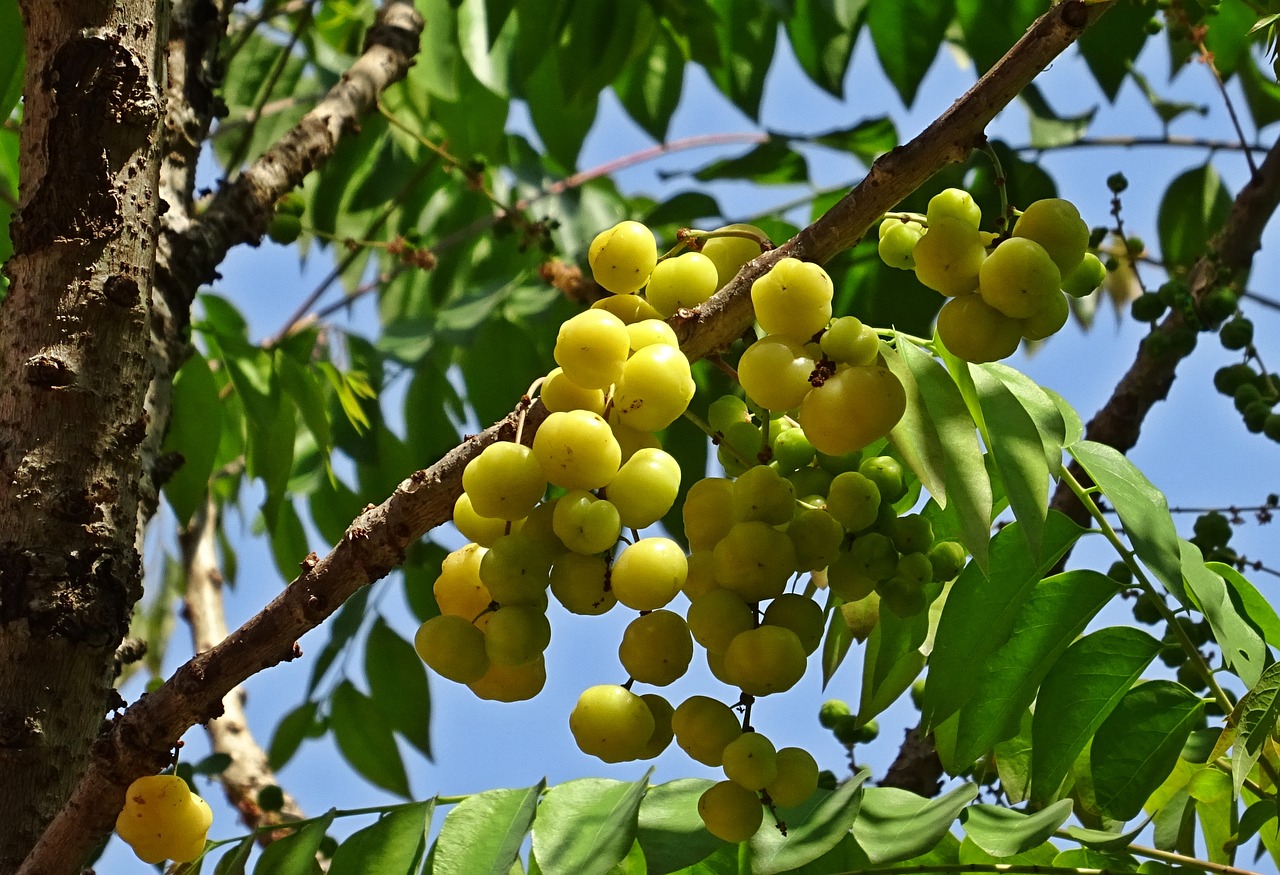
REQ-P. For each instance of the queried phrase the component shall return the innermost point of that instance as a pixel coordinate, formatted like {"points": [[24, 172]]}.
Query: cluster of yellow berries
{"points": [[999, 297]]}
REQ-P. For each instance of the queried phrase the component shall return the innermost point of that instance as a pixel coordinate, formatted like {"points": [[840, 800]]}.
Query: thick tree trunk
{"points": [[74, 370]]}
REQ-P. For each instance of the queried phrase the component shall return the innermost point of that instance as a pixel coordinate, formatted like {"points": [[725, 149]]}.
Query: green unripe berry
{"points": [[284, 228], [886, 473], [1237, 333], [1230, 378], [1271, 426], [832, 712], [1086, 277], [1148, 307]]}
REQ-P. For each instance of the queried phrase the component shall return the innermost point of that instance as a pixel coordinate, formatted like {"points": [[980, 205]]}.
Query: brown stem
{"points": [[139, 740], [248, 774]]}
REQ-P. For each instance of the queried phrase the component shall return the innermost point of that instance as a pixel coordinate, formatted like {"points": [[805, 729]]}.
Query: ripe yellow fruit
{"points": [[577, 450], [797, 777], [977, 332], [648, 574], [163, 820], [623, 257], [704, 727], [453, 648], [729, 254], [751, 761], [656, 648], [512, 683], [612, 723], [768, 659], [853, 409], [1056, 225], [730, 812], [662, 713]]}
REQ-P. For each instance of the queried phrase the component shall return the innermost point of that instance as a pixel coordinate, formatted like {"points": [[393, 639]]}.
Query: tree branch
{"points": [[1118, 422], [139, 741], [241, 210], [229, 734]]}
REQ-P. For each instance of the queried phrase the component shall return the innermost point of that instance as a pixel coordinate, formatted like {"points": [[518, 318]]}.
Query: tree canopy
{"points": [[1085, 674]]}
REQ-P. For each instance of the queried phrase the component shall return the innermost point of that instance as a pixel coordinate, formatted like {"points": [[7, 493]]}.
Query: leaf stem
{"points": [[1148, 588]]}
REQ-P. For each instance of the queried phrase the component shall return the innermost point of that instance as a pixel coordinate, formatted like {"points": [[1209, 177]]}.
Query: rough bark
{"points": [[73, 371], [193, 247]]}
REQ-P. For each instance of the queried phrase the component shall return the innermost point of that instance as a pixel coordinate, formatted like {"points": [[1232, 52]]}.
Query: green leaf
{"points": [[961, 486], [1143, 511], [1194, 207], [1018, 451], [1040, 406], [835, 645], [1256, 719], [1087, 858], [746, 34], [587, 826], [867, 140], [486, 38], [12, 60], [972, 855], [1073, 428], [893, 659], [392, 845], [1058, 610], [1075, 697], [1137, 746], [496, 382], [234, 860], [1243, 650], [195, 430], [342, 629], [290, 732], [895, 825], [1252, 604], [301, 384], [669, 829], [772, 162], [398, 685], [1013, 761], [650, 86], [1048, 129], [1228, 37], [813, 828], [990, 29], [288, 541], [295, 854], [365, 740], [482, 835], [982, 609], [1108, 47], [561, 123], [822, 34], [1261, 92], [1004, 832], [907, 34], [1103, 840]]}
